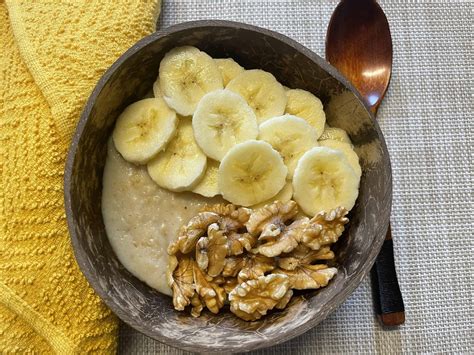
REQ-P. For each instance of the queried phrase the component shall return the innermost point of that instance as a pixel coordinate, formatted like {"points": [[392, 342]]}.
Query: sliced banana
{"points": [[156, 89], [291, 136], [222, 120], [324, 180], [284, 195], [304, 104], [208, 186], [347, 150], [229, 69], [182, 164], [262, 92], [143, 129], [335, 134], [186, 75], [251, 172]]}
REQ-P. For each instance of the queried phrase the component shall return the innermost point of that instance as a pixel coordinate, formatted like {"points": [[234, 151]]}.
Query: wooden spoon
{"points": [[359, 45]]}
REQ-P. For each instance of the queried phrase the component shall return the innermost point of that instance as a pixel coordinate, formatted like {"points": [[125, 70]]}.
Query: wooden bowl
{"points": [[128, 80]]}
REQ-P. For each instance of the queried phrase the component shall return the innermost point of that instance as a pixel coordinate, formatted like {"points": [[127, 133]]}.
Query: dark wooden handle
{"points": [[388, 299]]}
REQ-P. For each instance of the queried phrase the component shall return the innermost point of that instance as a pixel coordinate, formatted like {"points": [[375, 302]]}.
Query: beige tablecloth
{"points": [[427, 120]]}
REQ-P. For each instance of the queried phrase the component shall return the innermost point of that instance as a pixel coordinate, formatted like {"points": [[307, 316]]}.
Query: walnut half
{"points": [[210, 293], [232, 218], [322, 230], [189, 234], [248, 266], [180, 279], [212, 250], [269, 221], [232, 223], [238, 243], [255, 265], [325, 228], [308, 276], [285, 241], [252, 299], [302, 255]]}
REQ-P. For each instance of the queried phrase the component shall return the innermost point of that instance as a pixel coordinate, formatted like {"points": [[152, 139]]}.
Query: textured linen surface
{"points": [[426, 118], [51, 55]]}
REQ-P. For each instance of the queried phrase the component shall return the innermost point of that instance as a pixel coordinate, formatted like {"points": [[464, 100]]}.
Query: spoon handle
{"points": [[387, 297]]}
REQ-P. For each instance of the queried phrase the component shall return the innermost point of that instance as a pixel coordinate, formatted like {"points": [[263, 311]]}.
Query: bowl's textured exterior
{"points": [[128, 80]]}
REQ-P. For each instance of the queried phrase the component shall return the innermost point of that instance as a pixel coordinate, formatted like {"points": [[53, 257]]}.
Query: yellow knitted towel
{"points": [[51, 55]]}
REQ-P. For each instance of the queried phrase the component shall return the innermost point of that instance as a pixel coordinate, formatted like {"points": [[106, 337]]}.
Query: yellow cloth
{"points": [[51, 55]]}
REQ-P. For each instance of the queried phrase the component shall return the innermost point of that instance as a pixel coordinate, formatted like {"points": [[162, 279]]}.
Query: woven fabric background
{"points": [[427, 119]]}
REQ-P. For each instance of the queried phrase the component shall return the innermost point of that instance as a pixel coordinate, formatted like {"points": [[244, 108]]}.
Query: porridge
{"points": [[140, 234]]}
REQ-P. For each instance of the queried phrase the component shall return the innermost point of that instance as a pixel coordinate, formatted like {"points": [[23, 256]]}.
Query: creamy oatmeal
{"points": [[141, 218]]}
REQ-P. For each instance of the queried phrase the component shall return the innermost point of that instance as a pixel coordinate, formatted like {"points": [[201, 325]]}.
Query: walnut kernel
{"points": [[212, 250], [308, 276], [252, 299], [303, 255], [269, 220], [180, 279], [255, 265], [331, 225], [232, 218], [189, 234], [210, 293], [239, 242], [286, 241]]}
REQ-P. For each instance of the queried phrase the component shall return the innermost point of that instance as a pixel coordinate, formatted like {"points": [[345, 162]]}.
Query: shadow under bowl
{"points": [[128, 80]]}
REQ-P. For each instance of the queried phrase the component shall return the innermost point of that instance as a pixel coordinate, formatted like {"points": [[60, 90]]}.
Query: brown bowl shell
{"points": [[295, 66]]}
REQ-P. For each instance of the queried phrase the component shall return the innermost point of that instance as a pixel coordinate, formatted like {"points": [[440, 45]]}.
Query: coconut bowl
{"points": [[129, 79]]}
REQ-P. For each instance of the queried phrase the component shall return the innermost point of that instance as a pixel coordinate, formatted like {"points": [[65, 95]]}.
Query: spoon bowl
{"points": [[359, 45]]}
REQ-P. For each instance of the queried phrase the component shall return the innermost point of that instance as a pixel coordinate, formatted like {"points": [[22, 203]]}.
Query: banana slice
{"points": [[182, 164], [156, 89], [208, 186], [251, 172], [262, 92], [304, 104], [229, 69], [143, 129], [335, 134], [291, 136], [222, 120], [186, 75], [347, 150], [284, 195], [324, 180]]}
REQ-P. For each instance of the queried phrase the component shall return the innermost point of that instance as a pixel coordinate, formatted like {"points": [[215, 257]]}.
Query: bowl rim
{"points": [[334, 303]]}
